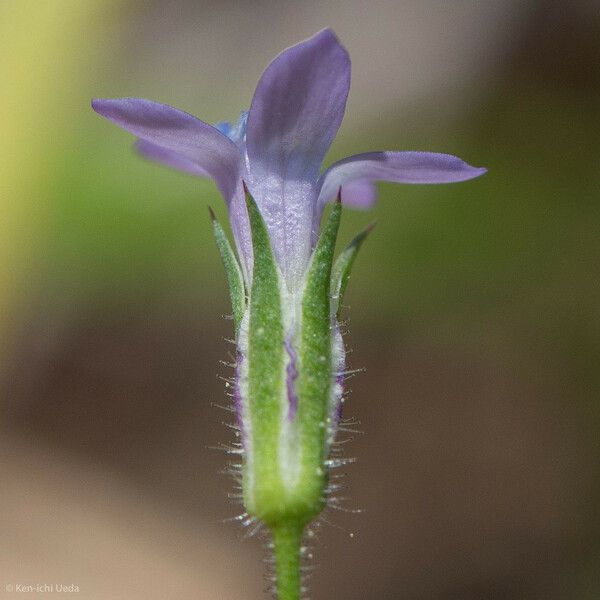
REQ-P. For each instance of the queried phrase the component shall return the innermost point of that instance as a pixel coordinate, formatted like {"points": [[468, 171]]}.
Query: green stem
{"points": [[287, 541]]}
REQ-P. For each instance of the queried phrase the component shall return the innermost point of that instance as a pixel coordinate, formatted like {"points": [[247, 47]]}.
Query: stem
{"points": [[287, 540]]}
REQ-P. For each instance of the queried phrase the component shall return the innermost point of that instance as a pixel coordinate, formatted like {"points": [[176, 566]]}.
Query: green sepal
{"points": [[342, 268], [263, 490], [315, 369], [233, 272]]}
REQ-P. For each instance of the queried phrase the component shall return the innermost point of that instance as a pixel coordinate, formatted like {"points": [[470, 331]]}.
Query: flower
{"points": [[285, 288], [278, 148]]}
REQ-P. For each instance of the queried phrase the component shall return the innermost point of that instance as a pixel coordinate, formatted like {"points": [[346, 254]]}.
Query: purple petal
{"points": [[179, 132], [296, 111], [399, 167], [180, 140], [169, 158], [360, 194]]}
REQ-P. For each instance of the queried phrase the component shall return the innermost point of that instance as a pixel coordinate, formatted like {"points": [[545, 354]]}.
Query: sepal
{"points": [[316, 376], [233, 272], [263, 491], [342, 268], [291, 355]]}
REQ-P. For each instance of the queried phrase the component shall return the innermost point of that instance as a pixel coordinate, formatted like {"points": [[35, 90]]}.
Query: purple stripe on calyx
{"points": [[292, 375]]}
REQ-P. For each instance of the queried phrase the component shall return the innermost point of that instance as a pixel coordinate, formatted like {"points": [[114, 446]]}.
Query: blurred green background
{"points": [[474, 307]]}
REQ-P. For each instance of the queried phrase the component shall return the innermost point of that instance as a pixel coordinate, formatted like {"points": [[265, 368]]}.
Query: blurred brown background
{"points": [[475, 308]]}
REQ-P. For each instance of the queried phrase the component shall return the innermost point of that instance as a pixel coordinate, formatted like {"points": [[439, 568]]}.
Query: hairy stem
{"points": [[287, 541]]}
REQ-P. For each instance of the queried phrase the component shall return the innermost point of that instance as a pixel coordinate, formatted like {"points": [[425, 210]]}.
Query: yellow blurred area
{"points": [[63, 522], [44, 47]]}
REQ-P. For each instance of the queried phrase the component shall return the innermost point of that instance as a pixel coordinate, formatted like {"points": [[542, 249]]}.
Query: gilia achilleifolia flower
{"points": [[285, 288]]}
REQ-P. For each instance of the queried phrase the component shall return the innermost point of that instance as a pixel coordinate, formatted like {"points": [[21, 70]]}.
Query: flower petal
{"points": [[179, 132], [360, 194], [184, 142], [399, 167], [169, 158], [296, 111]]}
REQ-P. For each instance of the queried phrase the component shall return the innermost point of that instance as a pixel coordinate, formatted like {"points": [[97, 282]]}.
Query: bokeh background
{"points": [[475, 308]]}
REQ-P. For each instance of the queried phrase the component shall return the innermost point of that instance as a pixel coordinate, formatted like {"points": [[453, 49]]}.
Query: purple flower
{"points": [[278, 148], [290, 362]]}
